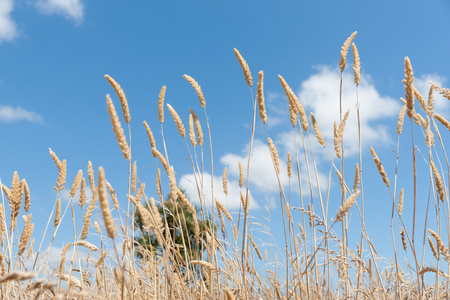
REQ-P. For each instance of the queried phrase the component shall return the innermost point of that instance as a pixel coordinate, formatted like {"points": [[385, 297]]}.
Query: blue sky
{"points": [[54, 55]]}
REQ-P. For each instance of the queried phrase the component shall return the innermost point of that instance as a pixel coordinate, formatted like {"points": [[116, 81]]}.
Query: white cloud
{"points": [[320, 94], [8, 29], [422, 84], [70, 9], [232, 201], [10, 114]]}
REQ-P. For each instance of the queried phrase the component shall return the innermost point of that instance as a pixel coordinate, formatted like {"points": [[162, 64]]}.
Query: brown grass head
{"points": [[260, 97], [162, 94], [197, 89], [177, 120], [409, 87], [356, 64], [122, 98], [344, 51], [104, 205], [117, 128], [198, 128]]}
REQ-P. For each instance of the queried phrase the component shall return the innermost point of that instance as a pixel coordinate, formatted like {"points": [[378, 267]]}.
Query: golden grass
{"points": [[318, 261]]}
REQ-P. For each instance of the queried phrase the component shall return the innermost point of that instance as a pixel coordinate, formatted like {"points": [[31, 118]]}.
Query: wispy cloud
{"points": [[9, 114], [70, 9], [231, 201], [8, 29]]}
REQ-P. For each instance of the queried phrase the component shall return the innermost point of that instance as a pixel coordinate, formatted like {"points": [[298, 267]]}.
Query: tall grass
{"points": [[318, 261]]}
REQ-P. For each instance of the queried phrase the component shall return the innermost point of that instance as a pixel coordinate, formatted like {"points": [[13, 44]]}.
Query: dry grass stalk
{"points": [[225, 181], [401, 119], [260, 97], [191, 131], [380, 167], [356, 64], [162, 94], [86, 244], [245, 68], [344, 51], [26, 234], [177, 120], [438, 181], [400, 202], [103, 199], [409, 87], [198, 128], [441, 119], [57, 213], [122, 98], [346, 206], [26, 190], [317, 131], [357, 178], [112, 192], [432, 247], [76, 184], [150, 137], [274, 153], [241, 174], [134, 178], [197, 89], [229, 294], [117, 128], [82, 200], [61, 176]]}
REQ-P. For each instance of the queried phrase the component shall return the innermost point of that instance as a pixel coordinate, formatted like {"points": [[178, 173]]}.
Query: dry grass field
{"points": [[222, 258]]}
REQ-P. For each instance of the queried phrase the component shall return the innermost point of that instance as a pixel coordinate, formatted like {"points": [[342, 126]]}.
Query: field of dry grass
{"points": [[225, 269]]}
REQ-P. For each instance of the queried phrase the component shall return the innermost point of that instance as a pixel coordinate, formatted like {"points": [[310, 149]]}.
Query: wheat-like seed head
{"points": [[344, 51], [198, 128], [443, 120], [140, 192], [112, 192], [346, 206], [260, 97], [158, 183], [428, 133], [225, 181], [172, 184], [444, 92], [82, 200], [255, 247], [61, 176], [162, 159], [289, 165], [432, 247], [134, 178], [274, 153], [150, 137], [317, 131], [357, 178], [117, 128], [400, 202], [162, 93], [86, 244], [430, 104], [241, 174], [439, 242], [97, 228], [401, 118], [224, 210], [57, 213], [91, 177], [26, 235], [356, 64], [103, 199], [191, 131], [26, 190], [76, 184], [30, 249], [177, 120], [337, 143], [402, 234], [438, 181], [122, 98], [420, 98], [55, 158], [197, 89], [409, 87], [245, 68], [379, 166], [87, 218]]}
